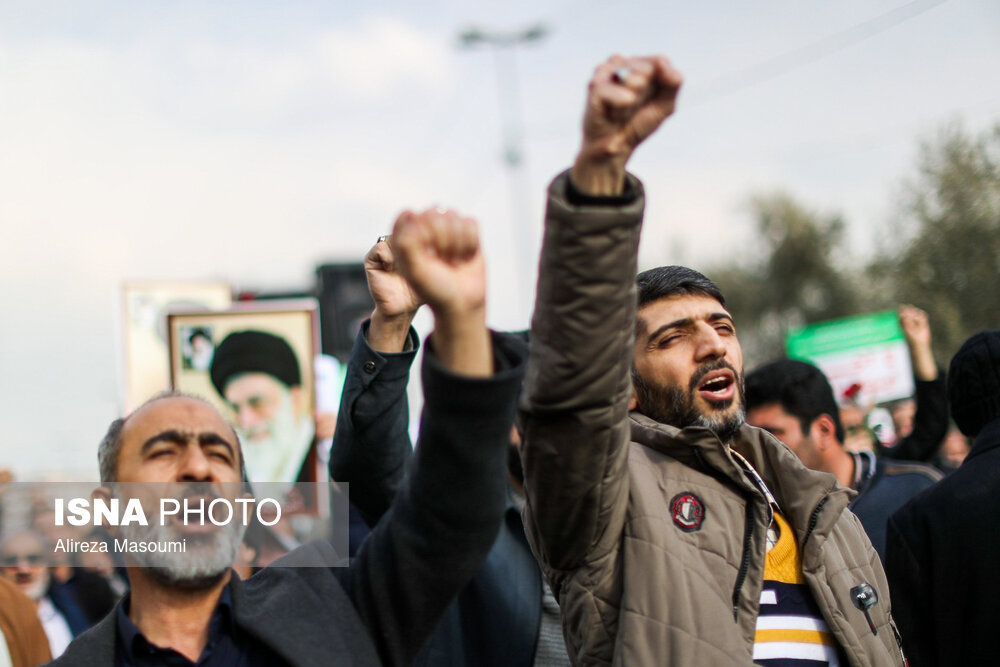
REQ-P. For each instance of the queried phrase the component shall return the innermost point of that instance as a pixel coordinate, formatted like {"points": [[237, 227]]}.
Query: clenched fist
{"points": [[627, 99], [438, 253]]}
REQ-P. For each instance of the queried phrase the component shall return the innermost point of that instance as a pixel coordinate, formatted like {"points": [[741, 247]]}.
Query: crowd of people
{"points": [[610, 487]]}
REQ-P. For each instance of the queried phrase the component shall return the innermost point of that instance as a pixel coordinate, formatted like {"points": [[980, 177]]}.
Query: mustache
{"points": [[710, 367]]}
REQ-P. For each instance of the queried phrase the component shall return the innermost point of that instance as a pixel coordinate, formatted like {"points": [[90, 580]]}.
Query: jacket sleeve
{"points": [[371, 446], [447, 512], [908, 586], [930, 423], [575, 410]]}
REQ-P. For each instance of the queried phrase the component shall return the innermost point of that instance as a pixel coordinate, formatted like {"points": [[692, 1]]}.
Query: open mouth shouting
{"points": [[716, 386]]}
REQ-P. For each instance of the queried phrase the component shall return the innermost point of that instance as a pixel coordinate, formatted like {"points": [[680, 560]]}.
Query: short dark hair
{"points": [[666, 281], [799, 387], [111, 444]]}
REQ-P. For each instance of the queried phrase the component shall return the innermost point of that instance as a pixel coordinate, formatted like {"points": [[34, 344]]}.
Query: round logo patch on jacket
{"points": [[688, 511]]}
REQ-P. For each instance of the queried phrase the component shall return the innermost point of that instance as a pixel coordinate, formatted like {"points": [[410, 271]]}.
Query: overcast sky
{"points": [[249, 141]]}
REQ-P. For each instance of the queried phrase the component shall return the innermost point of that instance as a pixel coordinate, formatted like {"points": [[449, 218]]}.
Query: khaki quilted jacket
{"points": [[652, 537]]}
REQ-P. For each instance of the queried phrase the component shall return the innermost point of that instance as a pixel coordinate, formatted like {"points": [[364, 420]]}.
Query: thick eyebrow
{"points": [[178, 438], [686, 322]]}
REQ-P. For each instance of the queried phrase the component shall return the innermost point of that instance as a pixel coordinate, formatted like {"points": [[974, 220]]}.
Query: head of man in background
{"points": [[24, 562], [258, 376], [688, 365], [794, 402]]}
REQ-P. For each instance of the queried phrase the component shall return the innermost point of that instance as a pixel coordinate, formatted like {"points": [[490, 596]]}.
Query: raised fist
{"points": [[913, 322], [437, 252], [392, 295], [627, 100]]}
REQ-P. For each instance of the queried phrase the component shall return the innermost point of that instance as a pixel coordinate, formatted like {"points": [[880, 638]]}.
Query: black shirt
{"points": [[227, 645]]}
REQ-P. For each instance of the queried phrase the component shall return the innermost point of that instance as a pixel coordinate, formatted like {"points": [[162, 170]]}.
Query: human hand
{"points": [[627, 100], [916, 328], [395, 301], [438, 253], [392, 295], [917, 332]]}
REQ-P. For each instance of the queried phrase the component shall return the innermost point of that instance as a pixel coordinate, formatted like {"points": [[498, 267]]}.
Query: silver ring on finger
{"points": [[620, 74]]}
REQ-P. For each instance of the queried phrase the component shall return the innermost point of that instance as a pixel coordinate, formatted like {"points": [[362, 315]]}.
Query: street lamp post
{"points": [[503, 45]]}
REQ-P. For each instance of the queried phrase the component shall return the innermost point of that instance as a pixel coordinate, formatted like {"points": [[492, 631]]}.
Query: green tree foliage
{"points": [[790, 279], [946, 257]]}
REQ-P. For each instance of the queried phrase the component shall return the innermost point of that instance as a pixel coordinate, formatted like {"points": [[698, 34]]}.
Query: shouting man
{"points": [[672, 533]]}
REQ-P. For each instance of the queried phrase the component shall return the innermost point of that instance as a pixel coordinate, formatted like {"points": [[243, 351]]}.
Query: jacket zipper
{"points": [[745, 565], [813, 519]]}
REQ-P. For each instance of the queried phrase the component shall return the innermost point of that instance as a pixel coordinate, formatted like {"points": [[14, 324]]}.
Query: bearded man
{"points": [[258, 376], [193, 608], [671, 532]]}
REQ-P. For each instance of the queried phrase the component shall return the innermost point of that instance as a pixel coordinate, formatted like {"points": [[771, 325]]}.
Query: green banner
{"points": [[849, 333]]}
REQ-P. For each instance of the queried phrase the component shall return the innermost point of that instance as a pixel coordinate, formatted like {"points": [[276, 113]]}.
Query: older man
{"points": [[674, 535], [24, 561], [258, 376], [442, 523]]}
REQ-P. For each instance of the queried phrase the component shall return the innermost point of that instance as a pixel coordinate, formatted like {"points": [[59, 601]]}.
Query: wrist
{"points": [[462, 344], [387, 333], [598, 176]]}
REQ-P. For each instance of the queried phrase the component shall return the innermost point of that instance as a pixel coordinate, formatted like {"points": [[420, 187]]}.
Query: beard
{"points": [[676, 405], [274, 452], [37, 588], [207, 558]]}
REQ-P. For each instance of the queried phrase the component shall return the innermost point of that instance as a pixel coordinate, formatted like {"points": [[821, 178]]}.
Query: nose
{"points": [[709, 345], [247, 417], [195, 466]]}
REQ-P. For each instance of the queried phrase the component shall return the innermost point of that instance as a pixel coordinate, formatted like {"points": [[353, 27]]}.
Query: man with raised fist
{"points": [[507, 615], [442, 522], [672, 533]]}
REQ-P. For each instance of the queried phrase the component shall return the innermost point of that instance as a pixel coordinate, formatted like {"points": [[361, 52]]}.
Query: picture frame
{"points": [[145, 366], [259, 374]]}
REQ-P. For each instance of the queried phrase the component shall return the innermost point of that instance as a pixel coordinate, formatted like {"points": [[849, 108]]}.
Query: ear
{"points": [[633, 401], [824, 432]]}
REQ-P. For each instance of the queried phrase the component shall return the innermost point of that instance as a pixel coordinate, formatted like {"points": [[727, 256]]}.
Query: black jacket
{"points": [[941, 566], [443, 521], [495, 620]]}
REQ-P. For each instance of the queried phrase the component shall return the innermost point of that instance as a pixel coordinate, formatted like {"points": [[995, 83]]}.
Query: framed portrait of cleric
{"points": [[254, 362], [145, 367]]}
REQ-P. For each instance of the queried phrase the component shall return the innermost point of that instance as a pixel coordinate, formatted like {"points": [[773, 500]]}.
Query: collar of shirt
{"points": [[136, 649]]}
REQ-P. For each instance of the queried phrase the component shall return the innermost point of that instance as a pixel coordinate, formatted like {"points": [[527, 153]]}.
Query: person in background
{"points": [[507, 615], [793, 401], [953, 451], [24, 562], [23, 642], [920, 431], [942, 545]]}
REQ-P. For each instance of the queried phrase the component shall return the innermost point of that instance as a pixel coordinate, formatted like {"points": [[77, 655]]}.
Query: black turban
{"points": [[254, 352]]}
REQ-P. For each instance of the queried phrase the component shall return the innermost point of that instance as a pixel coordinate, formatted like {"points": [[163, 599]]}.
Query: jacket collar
{"points": [[798, 490]]}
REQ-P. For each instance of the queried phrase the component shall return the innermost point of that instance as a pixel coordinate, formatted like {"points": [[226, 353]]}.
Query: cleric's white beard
{"points": [[278, 456]]}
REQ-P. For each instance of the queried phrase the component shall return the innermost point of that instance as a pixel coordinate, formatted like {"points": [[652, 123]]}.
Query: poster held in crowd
{"points": [[254, 362]]}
